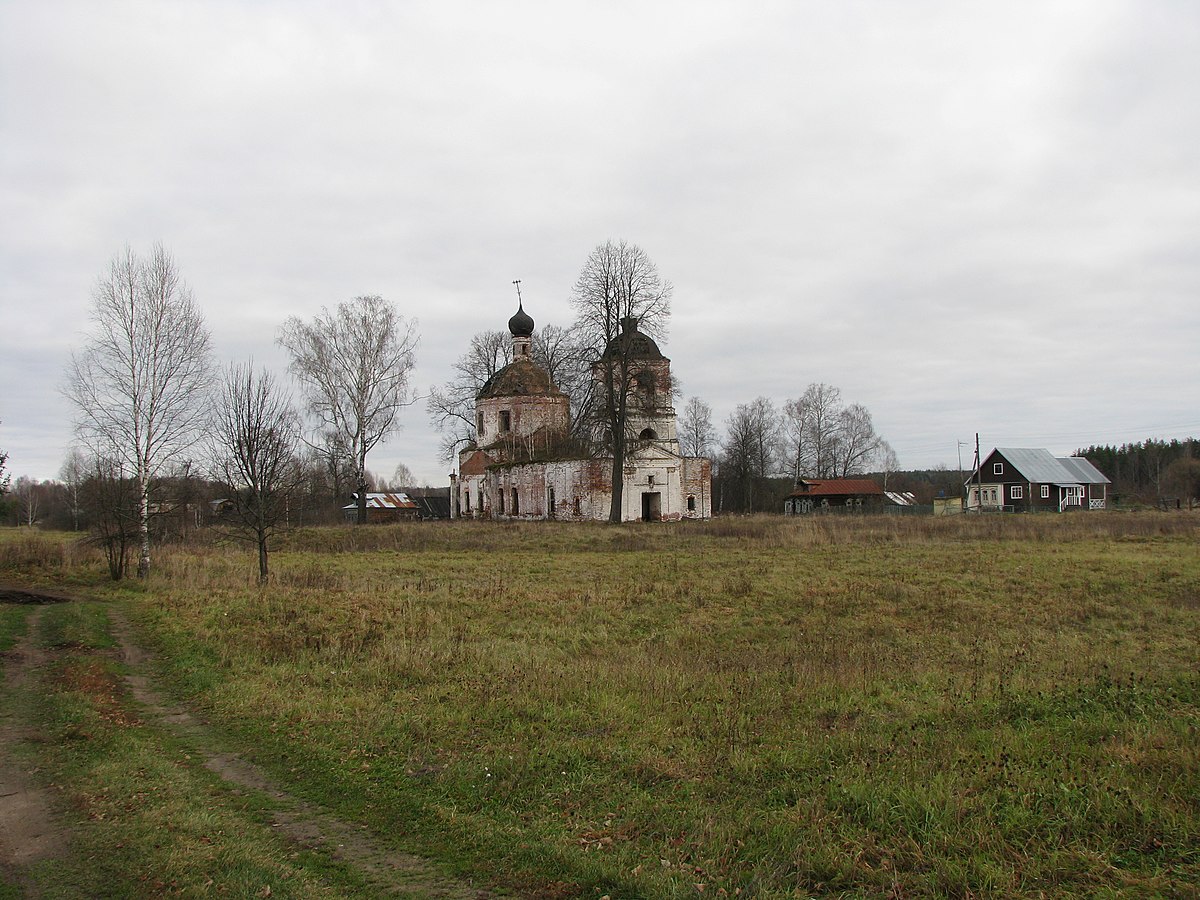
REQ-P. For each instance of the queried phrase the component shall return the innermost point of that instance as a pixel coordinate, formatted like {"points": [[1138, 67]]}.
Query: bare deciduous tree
{"points": [[402, 478], [451, 406], [825, 438], [751, 450], [809, 423], [73, 473], [354, 364], [565, 357], [855, 444], [140, 383], [618, 287], [4, 479], [886, 461], [30, 495], [255, 441], [696, 432], [110, 502]]}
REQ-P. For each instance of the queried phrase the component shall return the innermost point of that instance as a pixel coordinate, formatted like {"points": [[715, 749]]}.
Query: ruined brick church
{"points": [[523, 463]]}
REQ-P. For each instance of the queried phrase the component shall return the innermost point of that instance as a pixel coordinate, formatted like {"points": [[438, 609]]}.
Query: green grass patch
{"points": [[145, 817], [997, 706]]}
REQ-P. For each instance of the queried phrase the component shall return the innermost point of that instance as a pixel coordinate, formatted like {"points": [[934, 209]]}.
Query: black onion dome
{"points": [[521, 325], [632, 344]]}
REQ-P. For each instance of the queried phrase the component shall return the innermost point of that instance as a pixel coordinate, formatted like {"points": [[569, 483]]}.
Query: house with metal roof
{"points": [[1029, 479]]}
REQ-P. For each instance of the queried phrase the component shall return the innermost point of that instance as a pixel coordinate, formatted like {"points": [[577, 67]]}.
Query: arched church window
{"points": [[648, 434]]}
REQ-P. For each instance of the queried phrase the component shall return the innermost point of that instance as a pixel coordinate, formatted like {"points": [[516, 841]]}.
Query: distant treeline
{"points": [[1150, 470]]}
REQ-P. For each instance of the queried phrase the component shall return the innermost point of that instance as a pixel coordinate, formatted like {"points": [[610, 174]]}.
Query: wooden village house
{"points": [[842, 494], [1026, 479]]}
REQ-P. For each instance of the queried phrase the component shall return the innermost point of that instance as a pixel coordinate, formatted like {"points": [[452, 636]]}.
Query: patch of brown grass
{"points": [[103, 690]]}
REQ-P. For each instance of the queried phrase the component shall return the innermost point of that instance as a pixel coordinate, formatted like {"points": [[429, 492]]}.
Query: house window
{"points": [[1045, 491], [1017, 492], [997, 468], [505, 421]]}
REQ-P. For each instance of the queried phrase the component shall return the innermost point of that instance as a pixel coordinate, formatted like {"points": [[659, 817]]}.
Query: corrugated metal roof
{"points": [[386, 500], [902, 498], [1042, 467], [1083, 470], [1034, 464]]}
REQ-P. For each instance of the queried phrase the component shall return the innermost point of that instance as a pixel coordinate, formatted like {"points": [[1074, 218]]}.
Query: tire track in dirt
{"points": [[29, 831], [304, 823]]}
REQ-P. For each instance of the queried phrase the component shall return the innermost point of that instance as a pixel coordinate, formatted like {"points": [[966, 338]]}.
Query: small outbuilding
{"points": [[391, 506]]}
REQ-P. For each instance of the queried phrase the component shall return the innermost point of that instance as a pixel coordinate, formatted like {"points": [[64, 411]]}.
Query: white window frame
{"points": [[1017, 492], [997, 468], [1045, 492]]}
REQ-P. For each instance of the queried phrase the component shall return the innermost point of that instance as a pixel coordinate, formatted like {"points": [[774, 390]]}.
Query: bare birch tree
{"points": [[402, 479], [696, 432], [29, 494], [810, 423], [5, 480], [73, 473], [886, 461], [354, 364], [256, 439], [618, 289], [140, 384], [855, 443]]}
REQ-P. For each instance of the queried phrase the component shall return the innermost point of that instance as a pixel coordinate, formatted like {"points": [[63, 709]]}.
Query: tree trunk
{"points": [[361, 476], [619, 412], [143, 570], [262, 558], [618, 482]]}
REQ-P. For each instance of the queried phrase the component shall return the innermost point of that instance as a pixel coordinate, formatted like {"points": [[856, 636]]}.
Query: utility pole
{"points": [[962, 482], [978, 476]]}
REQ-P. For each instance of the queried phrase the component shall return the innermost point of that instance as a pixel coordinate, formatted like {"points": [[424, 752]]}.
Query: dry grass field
{"points": [[886, 707]]}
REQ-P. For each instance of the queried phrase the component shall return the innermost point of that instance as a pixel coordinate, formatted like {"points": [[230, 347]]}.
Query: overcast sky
{"points": [[969, 217]]}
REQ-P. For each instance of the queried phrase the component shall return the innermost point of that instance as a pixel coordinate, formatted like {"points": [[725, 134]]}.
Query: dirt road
{"points": [[30, 831]]}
